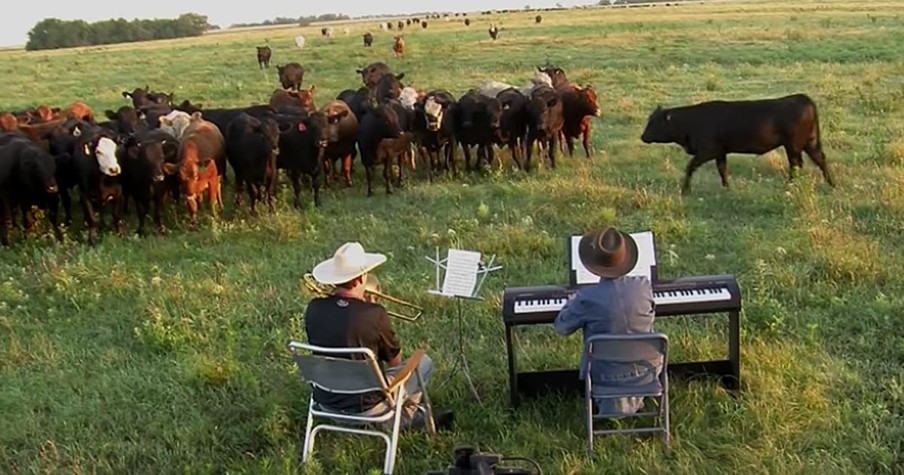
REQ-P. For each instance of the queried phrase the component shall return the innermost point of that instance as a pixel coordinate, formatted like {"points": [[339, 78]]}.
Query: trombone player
{"points": [[346, 318]]}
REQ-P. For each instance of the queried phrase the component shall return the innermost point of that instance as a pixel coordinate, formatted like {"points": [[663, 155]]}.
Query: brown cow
{"points": [[578, 105], [342, 130], [201, 149], [303, 99], [8, 122], [80, 110], [290, 75], [398, 47], [263, 56]]}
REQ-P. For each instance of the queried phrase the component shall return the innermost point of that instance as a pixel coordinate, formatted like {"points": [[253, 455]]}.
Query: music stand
{"points": [[462, 269]]}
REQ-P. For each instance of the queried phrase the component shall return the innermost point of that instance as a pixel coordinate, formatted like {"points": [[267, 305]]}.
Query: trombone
{"points": [[371, 290]]}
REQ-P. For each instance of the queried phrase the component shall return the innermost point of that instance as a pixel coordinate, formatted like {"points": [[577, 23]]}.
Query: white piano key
{"points": [[670, 297]]}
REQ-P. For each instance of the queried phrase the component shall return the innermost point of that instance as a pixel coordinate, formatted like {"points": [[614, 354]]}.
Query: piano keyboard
{"points": [[668, 297]]}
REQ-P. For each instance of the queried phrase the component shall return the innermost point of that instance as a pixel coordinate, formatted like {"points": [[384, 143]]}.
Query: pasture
{"points": [[167, 354]]}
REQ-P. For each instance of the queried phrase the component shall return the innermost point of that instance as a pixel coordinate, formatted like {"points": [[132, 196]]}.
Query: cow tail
{"points": [[815, 142]]}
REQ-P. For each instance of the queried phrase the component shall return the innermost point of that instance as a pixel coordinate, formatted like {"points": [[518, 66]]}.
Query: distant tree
{"points": [[51, 33]]}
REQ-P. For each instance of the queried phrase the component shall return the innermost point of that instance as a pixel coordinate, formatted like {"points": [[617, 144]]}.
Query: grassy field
{"points": [[167, 354]]}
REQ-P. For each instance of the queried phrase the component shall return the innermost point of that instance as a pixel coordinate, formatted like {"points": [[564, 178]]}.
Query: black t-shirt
{"points": [[339, 322]]}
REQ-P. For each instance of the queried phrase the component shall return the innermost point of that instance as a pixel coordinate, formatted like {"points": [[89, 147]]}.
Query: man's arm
{"points": [[569, 318], [390, 350]]}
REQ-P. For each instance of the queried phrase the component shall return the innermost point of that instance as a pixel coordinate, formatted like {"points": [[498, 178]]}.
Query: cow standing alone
{"points": [[263, 56], [711, 130]]}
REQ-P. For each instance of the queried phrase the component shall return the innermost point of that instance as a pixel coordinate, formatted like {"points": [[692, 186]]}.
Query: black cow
{"points": [[27, 178], [372, 73], [368, 40], [87, 157], [434, 128], [493, 31], [263, 56], [252, 146], [145, 97], [388, 87], [546, 119], [290, 75], [381, 122], [143, 177], [356, 100], [711, 130], [125, 120], [302, 140], [513, 122], [477, 120]]}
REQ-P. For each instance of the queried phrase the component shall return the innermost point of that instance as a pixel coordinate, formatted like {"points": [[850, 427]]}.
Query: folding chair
{"points": [[329, 369], [627, 349]]}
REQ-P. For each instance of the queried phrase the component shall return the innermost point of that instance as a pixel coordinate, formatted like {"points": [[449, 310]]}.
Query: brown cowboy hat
{"points": [[608, 252]]}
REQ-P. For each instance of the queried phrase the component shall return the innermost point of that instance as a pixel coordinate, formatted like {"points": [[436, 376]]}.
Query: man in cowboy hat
{"points": [[347, 319], [617, 304]]}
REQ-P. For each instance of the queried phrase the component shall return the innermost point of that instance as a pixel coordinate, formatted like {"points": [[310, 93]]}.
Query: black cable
{"points": [[528, 460]]}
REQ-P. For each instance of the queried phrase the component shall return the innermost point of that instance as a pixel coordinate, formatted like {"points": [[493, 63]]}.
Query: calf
{"points": [[27, 178], [398, 46], [711, 130], [381, 122], [302, 99], [494, 32], [513, 122], [302, 140], [252, 146], [143, 177], [263, 56], [342, 136], [477, 124], [175, 123], [201, 151], [290, 76], [578, 105], [434, 129], [545, 122], [368, 40], [299, 41]]}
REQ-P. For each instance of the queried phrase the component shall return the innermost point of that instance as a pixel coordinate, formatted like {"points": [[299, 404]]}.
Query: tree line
{"points": [[300, 21], [53, 33]]}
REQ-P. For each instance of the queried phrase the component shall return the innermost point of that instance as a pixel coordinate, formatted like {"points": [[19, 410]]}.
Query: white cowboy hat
{"points": [[348, 262]]}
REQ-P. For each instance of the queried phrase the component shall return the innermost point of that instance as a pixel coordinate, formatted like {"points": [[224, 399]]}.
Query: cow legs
{"points": [[369, 171], [569, 141], [722, 165], [819, 158], [191, 200], [295, 178], [387, 174], [159, 202], [585, 140], [239, 189], [692, 166], [67, 206], [466, 150], [7, 217], [53, 217], [552, 151], [141, 207], [90, 219], [315, 187]]}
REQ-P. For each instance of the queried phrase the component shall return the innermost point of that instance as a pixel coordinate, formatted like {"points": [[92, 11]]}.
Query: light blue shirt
{"points": [[622, 305]]}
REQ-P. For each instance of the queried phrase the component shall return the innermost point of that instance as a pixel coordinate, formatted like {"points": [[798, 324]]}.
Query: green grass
{"points": [[167, 354]]}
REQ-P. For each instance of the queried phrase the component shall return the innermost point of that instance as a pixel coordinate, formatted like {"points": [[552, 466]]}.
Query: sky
{"points": [[16, 22]]}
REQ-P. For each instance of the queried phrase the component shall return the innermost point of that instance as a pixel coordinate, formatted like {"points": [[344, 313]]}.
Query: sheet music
{"points": [[646, 258], [461, 273]]}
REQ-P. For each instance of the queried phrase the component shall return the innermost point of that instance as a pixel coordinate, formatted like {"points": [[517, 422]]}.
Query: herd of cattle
{"points": [[155, 150]]}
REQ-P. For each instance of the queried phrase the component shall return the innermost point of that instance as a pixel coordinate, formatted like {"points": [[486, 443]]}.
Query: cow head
{"points": [[544, 109], [39, 171], [493, 110], [334, 117], [556, 75], [151, 154], [8, 122], [176, 122], [660, 128], [187, 106], [433, 110], [306, 97], [269, 130], [138, 96], [388, 121], [104, 149], [126, 118]]}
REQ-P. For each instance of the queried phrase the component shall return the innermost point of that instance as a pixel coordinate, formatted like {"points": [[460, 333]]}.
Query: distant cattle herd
{"points": [[154, 150]]}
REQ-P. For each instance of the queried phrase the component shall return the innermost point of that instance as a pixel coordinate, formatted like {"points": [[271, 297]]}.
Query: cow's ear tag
{"points": [[301, 127], [76, 132], [668, 117], [87, 149]]}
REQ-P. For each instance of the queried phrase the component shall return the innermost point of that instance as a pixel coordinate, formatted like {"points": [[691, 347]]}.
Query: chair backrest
{"points": [[332, 370], [626, 348]]}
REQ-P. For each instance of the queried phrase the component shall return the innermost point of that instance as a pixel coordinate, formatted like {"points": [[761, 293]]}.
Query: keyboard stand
{"points": [[538, 383]]}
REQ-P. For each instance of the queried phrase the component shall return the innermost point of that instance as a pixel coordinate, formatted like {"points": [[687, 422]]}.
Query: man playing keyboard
{"points": [[617, 304]]}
